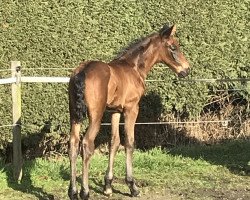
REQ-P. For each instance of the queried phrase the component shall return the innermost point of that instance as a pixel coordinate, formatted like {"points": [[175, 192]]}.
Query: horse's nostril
{"points": [[183, 74]]}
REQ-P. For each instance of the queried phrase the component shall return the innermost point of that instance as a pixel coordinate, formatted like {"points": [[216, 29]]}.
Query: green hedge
{"points": [[214, 36]]}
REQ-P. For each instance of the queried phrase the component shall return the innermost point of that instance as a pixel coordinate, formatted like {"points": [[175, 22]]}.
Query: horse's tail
{"points": [[76, 97]]}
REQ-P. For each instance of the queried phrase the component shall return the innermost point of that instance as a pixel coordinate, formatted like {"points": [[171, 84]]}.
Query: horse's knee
{"points": [[130, 146]]}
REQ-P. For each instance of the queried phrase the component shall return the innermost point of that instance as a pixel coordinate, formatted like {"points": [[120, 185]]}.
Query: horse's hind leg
{"points": [[88, 148], [115, 141], [73, 152]]}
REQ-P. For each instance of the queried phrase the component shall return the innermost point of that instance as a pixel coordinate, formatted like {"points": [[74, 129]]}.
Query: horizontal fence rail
{"points": [[29, 79], [7, 81], [44, 79]]}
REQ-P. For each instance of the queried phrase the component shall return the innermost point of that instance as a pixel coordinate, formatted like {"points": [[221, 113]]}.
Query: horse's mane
{"points": [[135, 47]]}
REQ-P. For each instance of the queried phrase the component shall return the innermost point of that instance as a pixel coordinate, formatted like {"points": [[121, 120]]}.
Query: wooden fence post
{"points": [[16, 107]]}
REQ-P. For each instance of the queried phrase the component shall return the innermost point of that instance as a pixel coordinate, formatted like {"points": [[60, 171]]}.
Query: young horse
{"points": [[118, 85]]}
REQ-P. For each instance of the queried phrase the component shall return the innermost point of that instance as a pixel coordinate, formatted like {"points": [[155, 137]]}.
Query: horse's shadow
{"points": [[97, 185], [100, 185]]}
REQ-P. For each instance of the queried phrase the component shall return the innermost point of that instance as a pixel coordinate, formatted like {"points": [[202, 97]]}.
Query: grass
{"points": [[197, 172]]}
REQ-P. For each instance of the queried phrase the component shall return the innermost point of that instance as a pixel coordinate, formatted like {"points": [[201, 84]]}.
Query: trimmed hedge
{"points": [[214, 36]]}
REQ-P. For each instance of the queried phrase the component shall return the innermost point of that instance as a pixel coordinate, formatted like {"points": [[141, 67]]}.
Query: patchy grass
{"points": [[197, 172]]}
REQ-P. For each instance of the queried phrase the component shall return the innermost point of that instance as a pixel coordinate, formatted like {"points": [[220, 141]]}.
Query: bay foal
{"points": [[118, 85]]}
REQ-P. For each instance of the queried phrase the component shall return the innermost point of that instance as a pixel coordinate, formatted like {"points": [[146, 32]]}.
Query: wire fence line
{"points": [[57, 68], [223, 122]]}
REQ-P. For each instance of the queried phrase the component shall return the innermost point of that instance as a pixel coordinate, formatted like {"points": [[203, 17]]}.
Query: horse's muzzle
{"points": [[184, 73]]}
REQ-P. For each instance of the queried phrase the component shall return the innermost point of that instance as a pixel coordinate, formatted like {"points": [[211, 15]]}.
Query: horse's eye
{"points": [[173, 47]]}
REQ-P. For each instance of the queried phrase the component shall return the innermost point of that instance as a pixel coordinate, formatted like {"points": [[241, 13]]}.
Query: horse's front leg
{"points": [[130, 118], [73, 152], [114, 144]]}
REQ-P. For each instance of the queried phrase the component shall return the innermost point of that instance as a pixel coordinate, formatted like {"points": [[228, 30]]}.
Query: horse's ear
{"points": [[167, 31]]}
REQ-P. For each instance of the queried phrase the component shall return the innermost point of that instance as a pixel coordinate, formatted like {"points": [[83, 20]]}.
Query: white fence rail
{"points": [[7, 80], [39, 79], [29, 79], [42, 79]]}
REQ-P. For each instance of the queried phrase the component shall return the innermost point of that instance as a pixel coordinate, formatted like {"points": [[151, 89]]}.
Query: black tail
{"points": [[78, 108]]}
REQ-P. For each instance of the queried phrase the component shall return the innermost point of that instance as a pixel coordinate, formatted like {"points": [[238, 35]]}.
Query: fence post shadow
{"points": [[25, 185]]}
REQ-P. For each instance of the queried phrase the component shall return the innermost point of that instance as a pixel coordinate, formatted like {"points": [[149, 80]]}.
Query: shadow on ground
{"points": [[26, 185], [30, 150], [234, 155]]}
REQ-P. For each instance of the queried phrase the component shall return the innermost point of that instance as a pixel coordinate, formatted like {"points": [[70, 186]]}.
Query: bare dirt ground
{"points": [[156, 194], [166, 194]]}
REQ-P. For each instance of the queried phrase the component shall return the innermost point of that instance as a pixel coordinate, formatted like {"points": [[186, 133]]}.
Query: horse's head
{"points": [[171, 54]]}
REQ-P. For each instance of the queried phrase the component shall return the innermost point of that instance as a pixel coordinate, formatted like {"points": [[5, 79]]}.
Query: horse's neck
{"points": [[147, 60], [143, 61]]}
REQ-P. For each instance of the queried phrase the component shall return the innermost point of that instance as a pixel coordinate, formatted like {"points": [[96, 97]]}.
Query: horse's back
{"points": [[94, 72], [89, 67]]}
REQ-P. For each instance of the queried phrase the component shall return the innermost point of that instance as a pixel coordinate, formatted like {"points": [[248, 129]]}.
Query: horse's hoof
{"points": [[132, 187], [73, 197], [84, 195], [108, 191], [72, 194], [135, 193], [107, 187]]}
